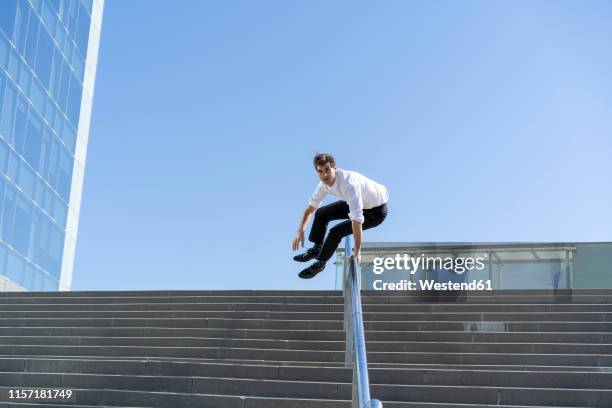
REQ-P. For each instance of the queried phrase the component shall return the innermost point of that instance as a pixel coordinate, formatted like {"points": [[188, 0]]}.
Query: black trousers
{"points": [[340, 211]]}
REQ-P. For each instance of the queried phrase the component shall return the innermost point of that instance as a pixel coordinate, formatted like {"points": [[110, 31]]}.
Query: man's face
{"points": [[327, 173]]}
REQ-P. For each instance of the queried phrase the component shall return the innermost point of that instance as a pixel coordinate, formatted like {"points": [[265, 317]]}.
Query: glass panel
{"points": [[63, 10], [33, 140], [15, 268], [22, 225], [58, 122], [5, 50], [32, 41], [14, 64], [4, 156], [530, 267], [78, 64], [50, 284], [8, 111], [71, 21], [75, 58], [25, 78], [48, 16], [40, 238], [43, 165], [68, 49], [63, 87], [88, 4], [38, 95], [26, 179], [56, 4], [82, 32], [2, 183], [60, 36], [60, 212], [49, 200], [20, 125], [56, 70], [56, 246], [37, 281], [49, 111], [39, 194], [36, 4], [13, 167], [44, 57], [74, 101], [3, 255], [21, 25], [8, 210], [53, 163], [28, 280], [65, 175], [69, 137], [7, 16]]}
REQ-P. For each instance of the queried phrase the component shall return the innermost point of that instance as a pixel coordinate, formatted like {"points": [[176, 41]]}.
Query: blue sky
{"points": [[487, 121]]}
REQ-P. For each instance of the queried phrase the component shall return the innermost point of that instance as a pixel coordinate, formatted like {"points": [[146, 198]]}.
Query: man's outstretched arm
{"points": [[299, 238], [357, 234]]}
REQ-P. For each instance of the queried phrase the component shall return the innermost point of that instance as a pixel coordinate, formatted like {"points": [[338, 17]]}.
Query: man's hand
{"points": [[358, 256], [299, 239]]}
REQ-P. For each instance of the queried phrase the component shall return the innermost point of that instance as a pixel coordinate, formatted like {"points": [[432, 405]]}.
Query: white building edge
{"points": [[80, 155]]}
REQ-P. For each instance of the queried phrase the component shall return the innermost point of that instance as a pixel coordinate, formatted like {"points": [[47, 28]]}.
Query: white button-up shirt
{"points": [[359, 192]]}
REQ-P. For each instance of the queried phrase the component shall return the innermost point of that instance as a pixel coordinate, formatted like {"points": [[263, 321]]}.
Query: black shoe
{"points": [[312, 253], [312, 270]]}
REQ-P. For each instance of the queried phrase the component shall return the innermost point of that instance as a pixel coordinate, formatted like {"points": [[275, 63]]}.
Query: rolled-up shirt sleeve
{"points": [[355, 203], [318, 196]]}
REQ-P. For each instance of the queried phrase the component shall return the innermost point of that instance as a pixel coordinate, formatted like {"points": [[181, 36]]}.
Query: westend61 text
{"points": [[433, 285]]}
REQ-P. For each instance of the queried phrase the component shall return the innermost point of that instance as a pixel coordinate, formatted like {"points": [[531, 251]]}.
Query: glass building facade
{"points": [[48, 58]]}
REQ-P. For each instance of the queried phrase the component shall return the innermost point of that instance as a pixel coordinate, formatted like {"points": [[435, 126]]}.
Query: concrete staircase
{"points": [[270, 349]]}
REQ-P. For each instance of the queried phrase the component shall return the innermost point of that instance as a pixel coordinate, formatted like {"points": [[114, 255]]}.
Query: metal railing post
{"points": [[355, 398], [348, 304], [355, 355]]}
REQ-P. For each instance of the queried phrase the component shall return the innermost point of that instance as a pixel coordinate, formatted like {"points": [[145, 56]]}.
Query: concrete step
{"points": [[479, 326], [166, 293], [314, 307], [602, 360], [405, 376], [290, 363], [334, 364], [367, 298], [268, 292], [260, 403], [185, 293], [176, 299], [311, 307], [312, 335], [121, 398], [327, 316], [144, 391], [381, 346]]}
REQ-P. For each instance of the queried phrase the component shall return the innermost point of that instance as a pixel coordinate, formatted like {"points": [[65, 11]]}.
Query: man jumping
{"points": [[363, 205]]}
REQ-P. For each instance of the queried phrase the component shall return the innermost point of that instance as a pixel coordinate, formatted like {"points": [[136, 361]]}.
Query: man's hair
{"points": [[321, 159]]}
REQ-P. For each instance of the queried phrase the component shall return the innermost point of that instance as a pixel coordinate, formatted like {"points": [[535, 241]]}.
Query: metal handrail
{"points": [[355, 339]]}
